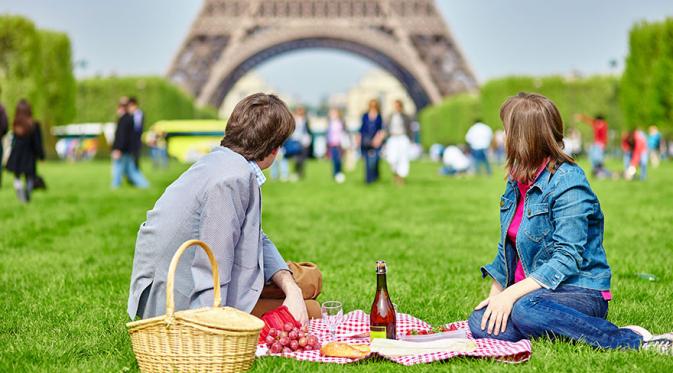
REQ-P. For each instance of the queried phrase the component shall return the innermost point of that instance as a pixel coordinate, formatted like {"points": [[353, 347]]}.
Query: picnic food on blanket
{"points": [[437, 329], [436, 333], [382, 319], [456, 334], [277, 319], [393, 348], [283, 334], [355, 330], [294, 340], [347, 350]]}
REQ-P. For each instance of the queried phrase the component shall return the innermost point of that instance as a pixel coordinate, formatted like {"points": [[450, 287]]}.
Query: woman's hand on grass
{"points": [[500, 302], [498, 309]]}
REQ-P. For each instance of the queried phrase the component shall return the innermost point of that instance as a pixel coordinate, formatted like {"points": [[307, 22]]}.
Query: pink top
{"points": [[513, 229], [335, 129]]}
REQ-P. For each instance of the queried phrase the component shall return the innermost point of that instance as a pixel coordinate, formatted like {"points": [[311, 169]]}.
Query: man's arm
{"points": [[276, 270], [273, 261]]}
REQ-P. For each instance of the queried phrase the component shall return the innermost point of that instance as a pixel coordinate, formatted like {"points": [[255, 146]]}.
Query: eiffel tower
{"points": [[407, 38]]}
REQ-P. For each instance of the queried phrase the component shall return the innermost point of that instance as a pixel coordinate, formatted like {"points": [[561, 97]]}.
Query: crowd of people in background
{"points": [[638, 149], [393, 138]]}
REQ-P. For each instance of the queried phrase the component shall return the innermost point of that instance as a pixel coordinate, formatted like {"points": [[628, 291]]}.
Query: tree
{"points": [[647, 82], [20, 63], [59, 85]]}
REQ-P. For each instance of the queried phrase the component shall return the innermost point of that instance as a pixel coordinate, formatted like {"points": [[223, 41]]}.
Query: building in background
{"points": [[247, 85]]}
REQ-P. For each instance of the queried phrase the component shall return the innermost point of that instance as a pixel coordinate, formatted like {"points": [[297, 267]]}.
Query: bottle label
{"points": [[377, 332]]}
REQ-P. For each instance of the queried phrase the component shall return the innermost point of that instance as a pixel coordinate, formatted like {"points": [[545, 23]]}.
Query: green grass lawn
{"points": [[65, 261]]}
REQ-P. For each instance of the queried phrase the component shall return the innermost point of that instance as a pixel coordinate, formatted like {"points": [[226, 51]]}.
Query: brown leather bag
{"points": [[308, 278]]}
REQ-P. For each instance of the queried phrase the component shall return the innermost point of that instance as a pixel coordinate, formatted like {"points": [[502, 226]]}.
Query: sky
{"points": [[498, 37]]}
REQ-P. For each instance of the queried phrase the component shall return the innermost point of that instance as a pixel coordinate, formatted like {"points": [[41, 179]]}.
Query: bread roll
{"points": [[341, 349]]}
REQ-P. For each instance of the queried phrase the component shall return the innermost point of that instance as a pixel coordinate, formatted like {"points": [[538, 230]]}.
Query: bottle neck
{"points": [[381, 282]]}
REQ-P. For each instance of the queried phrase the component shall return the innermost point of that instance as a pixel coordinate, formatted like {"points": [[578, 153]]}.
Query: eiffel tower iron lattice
{"points": [[408, 38]]}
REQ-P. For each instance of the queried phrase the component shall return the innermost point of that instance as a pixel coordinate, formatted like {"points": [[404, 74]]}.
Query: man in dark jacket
{"points": [[123, 163], [138, 123]]}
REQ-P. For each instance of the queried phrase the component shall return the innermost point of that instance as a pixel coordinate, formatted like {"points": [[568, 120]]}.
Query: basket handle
{"points": [[217, 298]]}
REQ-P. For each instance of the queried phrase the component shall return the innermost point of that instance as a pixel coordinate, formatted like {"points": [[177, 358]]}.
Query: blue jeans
{"points": [[481, 159], [371, 165], [335, 155], [450, 171], [159, 157], [125, 166], [571, 312], [597, 157]]}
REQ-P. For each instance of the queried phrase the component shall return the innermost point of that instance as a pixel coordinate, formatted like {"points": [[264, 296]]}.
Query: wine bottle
{"points": [[382, 320]]}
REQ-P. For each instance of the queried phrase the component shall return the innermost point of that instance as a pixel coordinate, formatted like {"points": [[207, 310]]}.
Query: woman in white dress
{"points": [[399, 141]]}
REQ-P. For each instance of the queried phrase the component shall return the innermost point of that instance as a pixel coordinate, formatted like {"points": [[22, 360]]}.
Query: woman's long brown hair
{"points": [[23, 119], [533, 134]]}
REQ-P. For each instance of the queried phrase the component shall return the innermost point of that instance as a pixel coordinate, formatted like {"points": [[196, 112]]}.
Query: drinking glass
{"points": [[332, 315]]}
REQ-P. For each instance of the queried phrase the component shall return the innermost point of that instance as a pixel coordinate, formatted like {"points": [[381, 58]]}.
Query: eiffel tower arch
{"points": [[408, 38]]}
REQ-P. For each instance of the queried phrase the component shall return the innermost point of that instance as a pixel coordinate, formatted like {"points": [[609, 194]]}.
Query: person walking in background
{"points": [[370, 139], [26, 150], [654, 145], [634, 145], [299, 144], [400, 135], [123, 163], [4, 128], [479, 138], [138, 124], [335, 134], [597, 150]]}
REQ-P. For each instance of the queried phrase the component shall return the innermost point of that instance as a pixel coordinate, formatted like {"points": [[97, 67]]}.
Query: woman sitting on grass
{"points": [[550, 275]]}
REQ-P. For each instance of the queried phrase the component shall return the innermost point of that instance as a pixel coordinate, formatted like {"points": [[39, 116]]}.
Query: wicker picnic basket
{"points": [[209, 339]]}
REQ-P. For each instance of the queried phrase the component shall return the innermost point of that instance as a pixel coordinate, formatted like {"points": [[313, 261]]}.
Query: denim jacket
{"points": [[560, 240]]}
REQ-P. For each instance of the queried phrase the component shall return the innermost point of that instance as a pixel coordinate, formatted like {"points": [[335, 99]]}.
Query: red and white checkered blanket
{"points": [[355, 329]]}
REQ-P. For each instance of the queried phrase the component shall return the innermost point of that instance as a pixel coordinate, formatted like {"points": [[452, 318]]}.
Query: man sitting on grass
{"points": [[218, 200]]}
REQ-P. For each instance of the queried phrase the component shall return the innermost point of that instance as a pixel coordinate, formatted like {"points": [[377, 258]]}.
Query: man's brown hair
{"points": [[259, 124], [533, 134]]}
